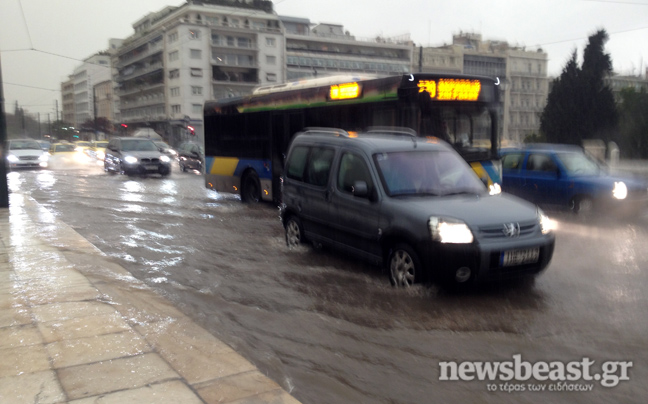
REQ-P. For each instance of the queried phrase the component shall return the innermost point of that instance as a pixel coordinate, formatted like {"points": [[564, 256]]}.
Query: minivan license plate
{"points": [[519, 257]]}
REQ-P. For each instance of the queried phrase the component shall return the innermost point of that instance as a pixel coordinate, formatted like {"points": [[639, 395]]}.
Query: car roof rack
{"points": [[391, 130], [326, 131]]}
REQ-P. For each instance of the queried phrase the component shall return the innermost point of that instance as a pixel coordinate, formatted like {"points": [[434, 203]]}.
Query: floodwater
{"points": [[330, 329]]}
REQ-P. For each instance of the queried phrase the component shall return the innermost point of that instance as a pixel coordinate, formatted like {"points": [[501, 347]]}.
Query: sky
{"points": [[43, 41]]}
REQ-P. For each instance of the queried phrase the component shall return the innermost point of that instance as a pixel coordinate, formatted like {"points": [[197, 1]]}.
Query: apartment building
{"points": [[94, 70], [179, 57], [523, 74], [327, 49], [67, 94]]}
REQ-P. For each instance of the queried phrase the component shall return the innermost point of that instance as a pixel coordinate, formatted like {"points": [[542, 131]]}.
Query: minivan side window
{"points": [[353, 168], [319, 166], [297, 163]]}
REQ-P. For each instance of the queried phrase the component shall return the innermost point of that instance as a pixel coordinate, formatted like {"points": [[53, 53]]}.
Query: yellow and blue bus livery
{"points": [[233, 173]]}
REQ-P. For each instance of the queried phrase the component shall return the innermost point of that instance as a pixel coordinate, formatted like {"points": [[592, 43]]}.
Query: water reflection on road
{"points": [[332, 329]]}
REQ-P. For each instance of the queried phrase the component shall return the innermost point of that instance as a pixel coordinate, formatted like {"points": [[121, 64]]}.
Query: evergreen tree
{"points": [[580, 104]]}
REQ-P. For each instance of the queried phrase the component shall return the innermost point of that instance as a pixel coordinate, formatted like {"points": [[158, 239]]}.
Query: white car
{"points": [[26, 153]]}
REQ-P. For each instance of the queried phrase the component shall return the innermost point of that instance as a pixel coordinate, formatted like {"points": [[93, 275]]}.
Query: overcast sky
{"points": [[42, 41]]}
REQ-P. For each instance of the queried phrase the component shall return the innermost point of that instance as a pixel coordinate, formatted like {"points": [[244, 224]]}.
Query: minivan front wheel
{"points": [[404, 266], [294, 232]]}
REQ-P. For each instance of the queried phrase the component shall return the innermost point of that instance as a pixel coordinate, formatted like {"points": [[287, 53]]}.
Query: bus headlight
{"points": [[620, 190], [447, 230]]}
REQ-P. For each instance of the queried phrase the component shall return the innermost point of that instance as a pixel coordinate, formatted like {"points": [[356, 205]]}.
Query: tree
{"points": [[633, 124], [580, 104]]}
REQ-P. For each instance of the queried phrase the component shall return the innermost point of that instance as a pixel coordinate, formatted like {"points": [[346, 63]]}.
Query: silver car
{"points": [[26, 153]]}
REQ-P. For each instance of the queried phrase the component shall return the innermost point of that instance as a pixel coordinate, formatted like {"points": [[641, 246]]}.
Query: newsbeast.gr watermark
{"points": [[518, 375]]}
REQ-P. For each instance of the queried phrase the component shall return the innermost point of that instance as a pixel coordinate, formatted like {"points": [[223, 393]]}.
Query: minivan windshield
{"points": [[138, 145], [432, 172]]}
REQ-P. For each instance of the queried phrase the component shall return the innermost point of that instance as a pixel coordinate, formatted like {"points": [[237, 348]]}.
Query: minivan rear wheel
{"points": [[404, 266], [294, 232]]}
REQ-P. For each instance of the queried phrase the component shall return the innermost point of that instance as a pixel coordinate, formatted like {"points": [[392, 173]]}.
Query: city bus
{"points": [[246, 137]]}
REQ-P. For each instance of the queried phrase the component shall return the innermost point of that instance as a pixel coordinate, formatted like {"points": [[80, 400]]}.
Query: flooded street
{"points": [[332, 330]]}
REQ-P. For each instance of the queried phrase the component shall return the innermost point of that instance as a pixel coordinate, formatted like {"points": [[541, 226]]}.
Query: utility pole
{"points": [[4, 189]]}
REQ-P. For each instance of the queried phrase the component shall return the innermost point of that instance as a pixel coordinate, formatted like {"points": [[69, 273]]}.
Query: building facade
{"points": [[182, 56], [67, 94], [523, 74], [94, 70]]}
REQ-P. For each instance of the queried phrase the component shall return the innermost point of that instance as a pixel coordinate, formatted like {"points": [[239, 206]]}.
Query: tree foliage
{"points": [[580, 105], [633, 123]]}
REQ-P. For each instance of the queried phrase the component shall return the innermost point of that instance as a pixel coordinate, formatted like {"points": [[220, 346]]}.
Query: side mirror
{"points": [[360, 189]]}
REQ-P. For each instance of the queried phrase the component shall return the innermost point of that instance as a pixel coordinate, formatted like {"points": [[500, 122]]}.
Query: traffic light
{"points": [[191, 130]]}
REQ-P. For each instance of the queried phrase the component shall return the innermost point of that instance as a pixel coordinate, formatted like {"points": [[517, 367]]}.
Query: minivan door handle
{"points": [[328, 195]]}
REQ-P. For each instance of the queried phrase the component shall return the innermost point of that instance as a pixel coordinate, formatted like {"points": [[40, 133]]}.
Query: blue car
{"points": [[566, 177]]}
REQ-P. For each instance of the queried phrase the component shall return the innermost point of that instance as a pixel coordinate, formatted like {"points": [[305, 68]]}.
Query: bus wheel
{"points": [[251, 190]]}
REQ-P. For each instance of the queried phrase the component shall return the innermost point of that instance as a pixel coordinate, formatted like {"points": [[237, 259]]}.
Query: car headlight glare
{"points": [[12, 158], [445, 230], [546, 225], [620, 190], [165, 159], [494, 189], [130, 159], [44, 157]]}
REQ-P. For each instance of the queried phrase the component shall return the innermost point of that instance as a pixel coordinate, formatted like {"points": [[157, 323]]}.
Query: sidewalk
{"points": [[78, 328]]}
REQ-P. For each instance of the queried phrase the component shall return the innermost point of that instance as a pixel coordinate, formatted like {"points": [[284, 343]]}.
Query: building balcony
{"points": [[143, 87], [231, 45]]}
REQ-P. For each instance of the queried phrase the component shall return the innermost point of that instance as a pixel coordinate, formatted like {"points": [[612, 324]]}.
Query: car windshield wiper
{"points": [[462, 192]]}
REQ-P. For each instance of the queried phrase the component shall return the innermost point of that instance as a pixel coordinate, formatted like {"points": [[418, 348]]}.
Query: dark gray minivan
{"points": [[410, 203]]}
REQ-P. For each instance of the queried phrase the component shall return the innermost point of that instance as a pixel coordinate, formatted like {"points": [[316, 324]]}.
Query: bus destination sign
{"points": [[451, 89]]}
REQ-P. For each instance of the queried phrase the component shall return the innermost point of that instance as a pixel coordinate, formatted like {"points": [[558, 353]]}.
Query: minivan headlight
{"points": [[546, 224], [447, 230]]}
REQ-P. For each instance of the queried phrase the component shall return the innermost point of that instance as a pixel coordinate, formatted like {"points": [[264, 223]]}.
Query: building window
{"points": [[196, 72], [175, 91], [173, 37], [243, 42], [175, 109], [196, 108], [271, 60], [272, 42], [196, 90], [194, 34], [174, 74], [271, 77], [195, 53], [173, 56]]}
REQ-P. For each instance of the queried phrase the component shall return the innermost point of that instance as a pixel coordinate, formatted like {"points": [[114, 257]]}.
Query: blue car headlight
{"points": [[620, 190]]}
